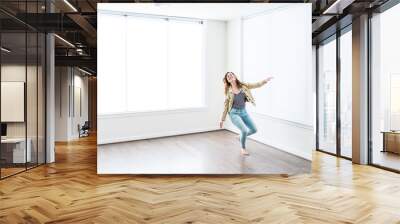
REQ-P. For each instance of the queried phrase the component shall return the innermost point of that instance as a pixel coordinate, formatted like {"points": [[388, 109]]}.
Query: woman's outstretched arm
{"points": [[258, 84]]}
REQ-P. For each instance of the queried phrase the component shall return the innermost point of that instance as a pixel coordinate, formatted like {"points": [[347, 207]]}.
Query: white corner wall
{"points": [[291, 137], [66, 121], [134, 126], [81, 82], [62, 81], [223, 53]]}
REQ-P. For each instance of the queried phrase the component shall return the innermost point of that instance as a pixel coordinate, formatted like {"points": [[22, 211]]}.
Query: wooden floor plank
{"points": [[214, 152], [70, 191]]}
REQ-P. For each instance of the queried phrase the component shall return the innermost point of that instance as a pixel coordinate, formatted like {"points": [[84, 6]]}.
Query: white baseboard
{"points": [[284, 121], [302, 154], [155, 135], [281, 147]]}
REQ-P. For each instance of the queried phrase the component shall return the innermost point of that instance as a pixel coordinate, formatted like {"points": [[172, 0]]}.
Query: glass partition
{"points": [[385, 89], [327, 96], [15, 150], [22, 89], [346, 94], [335, 94]]}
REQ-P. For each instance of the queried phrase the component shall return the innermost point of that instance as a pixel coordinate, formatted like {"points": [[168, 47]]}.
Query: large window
{"points": [[149, 63], [335, 94], [327, 96], [395, 101], [385, 89], [346, 94]]}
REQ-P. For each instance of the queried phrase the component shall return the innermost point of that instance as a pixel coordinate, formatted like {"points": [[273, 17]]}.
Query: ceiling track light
{"points": [[337, 7], [64, 40], [5, 50], [84, 71], [326, 11], [70, 5]]}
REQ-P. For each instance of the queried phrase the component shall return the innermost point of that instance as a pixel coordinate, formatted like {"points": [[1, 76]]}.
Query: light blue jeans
{"points": [[241, 119]]}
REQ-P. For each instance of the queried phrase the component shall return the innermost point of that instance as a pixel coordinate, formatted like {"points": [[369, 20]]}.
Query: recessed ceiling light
{"points": [[337, 7], [84, 71], [5, 50], [64, 40], [70, 5]]}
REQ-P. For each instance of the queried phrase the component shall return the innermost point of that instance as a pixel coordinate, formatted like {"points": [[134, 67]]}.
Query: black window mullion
{"points": [[338, 92], [317, 96], [37, 90], [369, 90], [26, 87]]}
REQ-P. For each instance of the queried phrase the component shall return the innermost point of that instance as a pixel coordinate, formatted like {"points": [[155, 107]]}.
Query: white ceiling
{"points": [[211, 11]]}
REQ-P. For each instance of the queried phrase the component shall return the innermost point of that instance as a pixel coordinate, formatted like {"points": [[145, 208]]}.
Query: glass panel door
{"points": [[385, 89], [22, 107], [14, 153], [327, 96], [346, 94]]}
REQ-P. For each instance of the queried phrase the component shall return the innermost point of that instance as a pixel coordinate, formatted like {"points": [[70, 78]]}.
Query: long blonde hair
{"points": [[227, 85]]}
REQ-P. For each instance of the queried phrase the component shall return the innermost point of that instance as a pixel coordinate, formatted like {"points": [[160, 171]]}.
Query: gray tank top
{"points": [[239, 100]]}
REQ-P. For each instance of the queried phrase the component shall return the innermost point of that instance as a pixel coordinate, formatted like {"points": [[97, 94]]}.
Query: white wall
{"points": [[133, 126], [277, 43], [16, 73], [233, 54], [223, 54], [292, 137], [234, 50], [62, 80], [66, 122], [78, 117], [33, 127]]}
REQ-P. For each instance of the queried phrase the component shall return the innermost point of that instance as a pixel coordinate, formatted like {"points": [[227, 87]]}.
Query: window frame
{"points": [[168, 110], [334, 37]]}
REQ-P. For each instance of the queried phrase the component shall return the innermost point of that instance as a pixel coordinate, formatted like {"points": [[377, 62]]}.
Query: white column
{"points": [[50, 99], [360, 90], [50, 92]]}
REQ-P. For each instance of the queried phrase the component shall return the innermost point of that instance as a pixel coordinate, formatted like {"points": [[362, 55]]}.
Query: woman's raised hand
{"points": [[268, 79]]}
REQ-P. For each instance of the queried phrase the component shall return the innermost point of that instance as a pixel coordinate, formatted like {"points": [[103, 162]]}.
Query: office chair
{"points": [[84, 130]]}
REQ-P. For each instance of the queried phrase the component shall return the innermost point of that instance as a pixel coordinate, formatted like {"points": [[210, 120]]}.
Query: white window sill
{"points": [[152, 112]]}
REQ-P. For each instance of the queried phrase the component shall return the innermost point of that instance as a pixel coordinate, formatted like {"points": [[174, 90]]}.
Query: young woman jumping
{"points": [[236, 95]]}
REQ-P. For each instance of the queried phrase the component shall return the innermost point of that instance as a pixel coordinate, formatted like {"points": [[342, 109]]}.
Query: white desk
{"points": [[19, 155]]}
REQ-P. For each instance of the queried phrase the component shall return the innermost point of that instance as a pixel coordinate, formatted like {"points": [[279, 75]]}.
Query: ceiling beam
{"points": [[82, 61], [84, 24], [319, 23], [337, 7]]}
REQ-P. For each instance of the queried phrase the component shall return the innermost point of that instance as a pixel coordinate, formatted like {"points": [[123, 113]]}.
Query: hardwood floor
{"points": [[70, 191], [387, 159], [10, 171], [214, 152]]}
